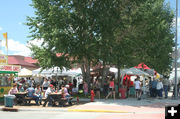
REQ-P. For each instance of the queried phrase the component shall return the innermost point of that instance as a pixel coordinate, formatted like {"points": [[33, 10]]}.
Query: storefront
{"points": [[7, 74]]}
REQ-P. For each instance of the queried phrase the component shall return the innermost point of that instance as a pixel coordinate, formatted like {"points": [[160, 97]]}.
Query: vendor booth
{"points": [[7, 73], [127, 81], [60, 75]]}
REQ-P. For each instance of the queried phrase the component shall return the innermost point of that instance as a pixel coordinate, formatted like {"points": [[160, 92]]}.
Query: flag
{"points": [[5, 37]]}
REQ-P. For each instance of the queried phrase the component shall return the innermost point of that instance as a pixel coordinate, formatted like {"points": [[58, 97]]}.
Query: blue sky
{"points": [[12, 16]]}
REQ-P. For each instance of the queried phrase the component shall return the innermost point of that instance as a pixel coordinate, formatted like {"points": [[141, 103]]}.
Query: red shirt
{"points": [[111, 84]]}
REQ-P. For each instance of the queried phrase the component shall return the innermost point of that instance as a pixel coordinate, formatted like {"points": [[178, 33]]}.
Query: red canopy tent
{"points": [[146, 69], [142, 66]]}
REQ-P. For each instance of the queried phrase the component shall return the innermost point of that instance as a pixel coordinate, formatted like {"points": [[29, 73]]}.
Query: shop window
{"points": [[5, 80]]}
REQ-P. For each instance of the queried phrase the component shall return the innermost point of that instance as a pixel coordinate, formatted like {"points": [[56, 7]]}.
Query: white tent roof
{"points": [[57, 71], [133, 71], [25, 72], [112, 69]]}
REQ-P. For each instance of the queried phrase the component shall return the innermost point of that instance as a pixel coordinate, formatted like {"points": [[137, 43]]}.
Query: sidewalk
{"points": [[130, 105]]}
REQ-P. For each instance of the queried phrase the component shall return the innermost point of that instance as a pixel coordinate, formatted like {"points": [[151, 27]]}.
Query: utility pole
{"points": [[175, 81]]}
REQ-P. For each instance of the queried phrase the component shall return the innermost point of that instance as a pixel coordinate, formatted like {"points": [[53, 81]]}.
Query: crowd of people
{"points": [[39, 90], [105, 89]]}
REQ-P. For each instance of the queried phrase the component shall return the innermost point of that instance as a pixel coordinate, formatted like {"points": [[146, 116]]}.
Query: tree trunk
{"points": [[83, 72], [85, 67], [103, 74], [118, 75]]}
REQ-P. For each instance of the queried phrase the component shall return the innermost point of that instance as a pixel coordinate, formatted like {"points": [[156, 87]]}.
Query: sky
{"points": [[13, 15]]}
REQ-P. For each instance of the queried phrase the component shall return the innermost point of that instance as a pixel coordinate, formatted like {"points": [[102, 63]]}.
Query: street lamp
{"points": [[175, 81]]}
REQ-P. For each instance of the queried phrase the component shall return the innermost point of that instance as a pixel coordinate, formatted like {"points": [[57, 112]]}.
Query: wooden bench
{"points": [[58, 100], [27, 100], [63, 101]]}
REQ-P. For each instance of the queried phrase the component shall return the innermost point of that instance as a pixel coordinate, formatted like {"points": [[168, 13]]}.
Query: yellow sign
{"points": [[3, 59]]}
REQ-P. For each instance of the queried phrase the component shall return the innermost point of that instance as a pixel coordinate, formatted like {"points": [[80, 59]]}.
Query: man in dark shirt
{"points": [[74, 82], [54, 82], [153, 87]]}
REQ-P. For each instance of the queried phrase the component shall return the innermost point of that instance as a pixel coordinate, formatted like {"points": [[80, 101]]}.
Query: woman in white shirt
{"points": [[45, 86], [159, 88], [137, 85]]}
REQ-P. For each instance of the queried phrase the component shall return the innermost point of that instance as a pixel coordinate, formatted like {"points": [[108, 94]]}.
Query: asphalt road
{"points": [[77, 115]]}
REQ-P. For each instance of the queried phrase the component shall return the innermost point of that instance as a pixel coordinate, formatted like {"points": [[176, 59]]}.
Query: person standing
{"points": [[153, 87], [85, 87], [45, 86], [165, 86], [74, 82], [38, 93], [159, 88], [111, 88], [97, 88], [106, 86], [137, 85]]}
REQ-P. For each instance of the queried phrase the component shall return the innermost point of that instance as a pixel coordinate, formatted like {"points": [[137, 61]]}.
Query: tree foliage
{"points": [[119, 32]]}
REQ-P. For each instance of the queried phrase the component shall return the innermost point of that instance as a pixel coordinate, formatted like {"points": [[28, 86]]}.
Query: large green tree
{"points": [[118, 32], [154, 35]]}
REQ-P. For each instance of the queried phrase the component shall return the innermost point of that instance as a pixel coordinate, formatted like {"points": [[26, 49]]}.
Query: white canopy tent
{"points": [[25, 73], [130, 71], [57, 71], [134, 71]]}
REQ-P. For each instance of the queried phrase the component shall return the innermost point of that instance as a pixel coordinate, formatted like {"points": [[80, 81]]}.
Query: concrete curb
{"points": [[39, 109], [68, 110]]}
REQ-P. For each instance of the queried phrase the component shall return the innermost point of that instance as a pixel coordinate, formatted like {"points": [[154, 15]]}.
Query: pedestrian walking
{"points": [[111, 88]]}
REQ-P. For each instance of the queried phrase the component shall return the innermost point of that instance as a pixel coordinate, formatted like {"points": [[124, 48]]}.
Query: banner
{"points": [[3, 59], [6, 38], [10, 68]]}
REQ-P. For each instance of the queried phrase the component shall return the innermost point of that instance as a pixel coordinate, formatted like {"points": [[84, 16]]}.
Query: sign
{"points": [[3, 59], [10, 68]]}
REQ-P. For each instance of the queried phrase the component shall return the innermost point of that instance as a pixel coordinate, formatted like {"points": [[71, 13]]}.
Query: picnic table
{"points": [[58, 98], [20, 97]]}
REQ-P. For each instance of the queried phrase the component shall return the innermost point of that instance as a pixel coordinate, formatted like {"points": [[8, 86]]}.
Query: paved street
{"points": [[76, 115], [130, 108]]}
